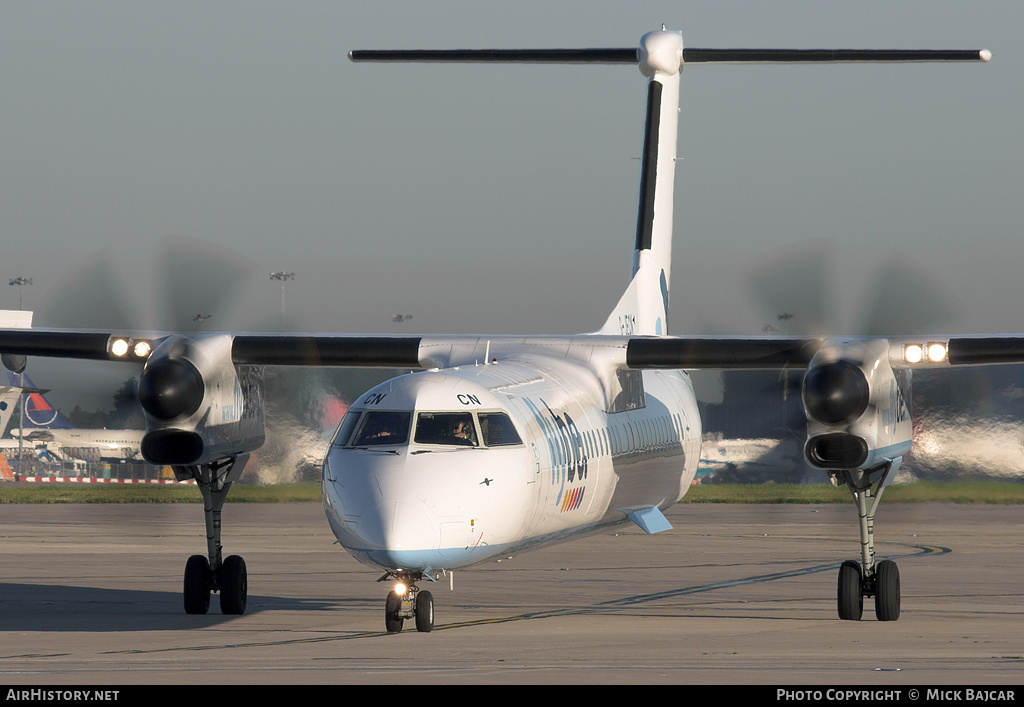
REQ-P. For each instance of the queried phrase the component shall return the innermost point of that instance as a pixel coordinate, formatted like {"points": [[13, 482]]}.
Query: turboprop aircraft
{"points": [[44, 423], [501, 444]]}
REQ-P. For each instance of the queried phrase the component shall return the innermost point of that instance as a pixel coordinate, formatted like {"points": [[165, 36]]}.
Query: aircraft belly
{"points": [[653, 480]]}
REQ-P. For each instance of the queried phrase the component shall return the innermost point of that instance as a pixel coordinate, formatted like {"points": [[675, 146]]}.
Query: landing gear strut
{"points": [[213, 573], [407, 601], [868, 579]]}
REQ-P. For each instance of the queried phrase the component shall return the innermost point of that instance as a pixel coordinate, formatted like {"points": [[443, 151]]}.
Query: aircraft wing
{"points": [[430, 351], [777, 352]]}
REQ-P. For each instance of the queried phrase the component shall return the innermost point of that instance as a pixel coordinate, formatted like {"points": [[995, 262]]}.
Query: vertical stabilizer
{"points": [[8, 402], [39, 414], [643, 308]]}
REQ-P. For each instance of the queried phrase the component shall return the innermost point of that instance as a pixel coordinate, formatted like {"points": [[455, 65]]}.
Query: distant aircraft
{"points": [[8, 404], [502, 444], [43, 423], [11, 448]]}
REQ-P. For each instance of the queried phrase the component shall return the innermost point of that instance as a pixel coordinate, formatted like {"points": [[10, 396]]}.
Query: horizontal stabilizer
{"points": [[651, 520], [809, 56], [500, 56], [691, 55]]}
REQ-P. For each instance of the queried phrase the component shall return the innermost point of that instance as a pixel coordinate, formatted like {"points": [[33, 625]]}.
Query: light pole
{"points": [[282, 276], [21, 282]]}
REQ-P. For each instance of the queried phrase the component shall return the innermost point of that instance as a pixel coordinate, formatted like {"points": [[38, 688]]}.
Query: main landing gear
{"points": [[407, 601], [204, 575], [868, 579]]}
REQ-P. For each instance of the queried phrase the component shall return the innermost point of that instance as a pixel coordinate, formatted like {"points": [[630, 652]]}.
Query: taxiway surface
{"points": [[735, 594]]}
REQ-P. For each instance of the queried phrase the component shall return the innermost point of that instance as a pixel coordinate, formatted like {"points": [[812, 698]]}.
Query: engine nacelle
{"points": [[857, 406], [199, 406]]}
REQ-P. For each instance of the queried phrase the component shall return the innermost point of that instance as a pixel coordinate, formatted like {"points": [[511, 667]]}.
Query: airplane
{"points": [[44, 423], [497, 445], [9, 395]]}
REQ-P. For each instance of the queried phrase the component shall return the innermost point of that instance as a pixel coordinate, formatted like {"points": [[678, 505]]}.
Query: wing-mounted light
{"points": [[198, 405], [130, 348], [856, 404], [919, 353]]}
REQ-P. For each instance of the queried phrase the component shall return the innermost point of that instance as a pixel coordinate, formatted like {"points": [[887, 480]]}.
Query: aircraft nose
{"points": [[381, 520], [396, 528]]}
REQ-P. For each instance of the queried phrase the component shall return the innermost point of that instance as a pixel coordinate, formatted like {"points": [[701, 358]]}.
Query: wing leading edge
{"points": [[417, 352]]}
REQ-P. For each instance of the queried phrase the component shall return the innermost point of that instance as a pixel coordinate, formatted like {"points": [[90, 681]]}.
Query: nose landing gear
{"points": [[407, 601]]}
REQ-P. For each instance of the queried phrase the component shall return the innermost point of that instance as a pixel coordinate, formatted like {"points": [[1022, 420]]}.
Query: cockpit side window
{"points": [[346, 428], [498, 430], [380, 427], [452, 428]]}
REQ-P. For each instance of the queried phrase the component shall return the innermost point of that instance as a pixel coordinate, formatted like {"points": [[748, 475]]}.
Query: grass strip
{"points": [[988, 492]]}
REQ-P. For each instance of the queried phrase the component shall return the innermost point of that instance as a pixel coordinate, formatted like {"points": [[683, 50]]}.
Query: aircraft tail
{"points": [[8, 402], [643, 308], [38, 413]]}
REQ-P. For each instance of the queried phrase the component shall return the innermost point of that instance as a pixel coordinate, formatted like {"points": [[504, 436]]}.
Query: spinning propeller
{"points": [[191, 276], [799, 283]]}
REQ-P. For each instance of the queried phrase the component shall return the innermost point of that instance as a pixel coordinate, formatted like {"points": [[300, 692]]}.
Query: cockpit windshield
{"points": [[380, 427], [498, 430], [452, 428]]}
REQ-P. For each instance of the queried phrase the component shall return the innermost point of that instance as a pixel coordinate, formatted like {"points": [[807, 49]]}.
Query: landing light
{"points": [[932, 352], [400, 589], [124, 347], [913, 353], [936, 352]]}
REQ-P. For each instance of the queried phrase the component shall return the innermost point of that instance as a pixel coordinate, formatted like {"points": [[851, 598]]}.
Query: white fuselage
{"points": [[91, 445], [416, 501]]}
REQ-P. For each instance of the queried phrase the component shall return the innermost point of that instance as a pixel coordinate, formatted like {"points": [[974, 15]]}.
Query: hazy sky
{"points": [[501, 199]]}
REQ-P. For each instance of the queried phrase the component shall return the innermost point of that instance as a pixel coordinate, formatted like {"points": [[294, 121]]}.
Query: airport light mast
{"points": [[282, 276], [21, 282]]}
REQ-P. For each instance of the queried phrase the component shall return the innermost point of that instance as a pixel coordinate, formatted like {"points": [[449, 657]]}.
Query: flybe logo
{"points": [[566, 452], [570, 444], [572, 500]]}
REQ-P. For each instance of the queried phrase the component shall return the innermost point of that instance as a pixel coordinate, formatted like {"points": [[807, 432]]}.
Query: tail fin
{"points": [[643, 308], [38, 413], [8, 401]]}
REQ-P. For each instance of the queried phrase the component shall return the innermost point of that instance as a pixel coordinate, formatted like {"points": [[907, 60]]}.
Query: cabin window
{"points": [[381, 427], [346, 428], [498, 430], [451, 428]]}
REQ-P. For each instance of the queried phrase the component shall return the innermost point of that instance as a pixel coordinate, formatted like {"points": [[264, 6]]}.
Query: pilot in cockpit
{"points": [[462, 432]]}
